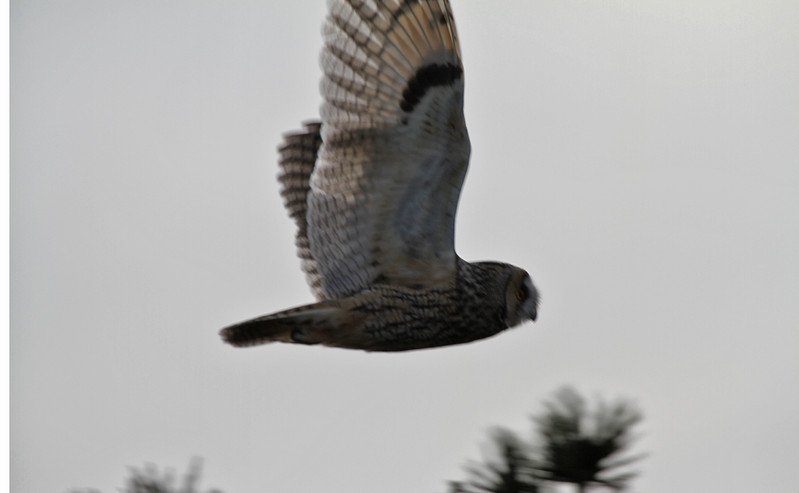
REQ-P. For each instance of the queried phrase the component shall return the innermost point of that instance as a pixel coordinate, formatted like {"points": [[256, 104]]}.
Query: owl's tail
{"points": [[319, 323]]}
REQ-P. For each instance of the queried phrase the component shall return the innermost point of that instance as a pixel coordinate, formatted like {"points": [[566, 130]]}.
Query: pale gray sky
{"points": [[639, 159]]}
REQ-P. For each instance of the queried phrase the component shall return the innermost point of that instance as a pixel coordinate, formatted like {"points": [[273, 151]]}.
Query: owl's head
{"points": [[521, 298]]}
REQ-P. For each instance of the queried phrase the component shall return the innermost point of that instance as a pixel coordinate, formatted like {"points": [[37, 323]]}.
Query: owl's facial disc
{"points": [[521, 299]]}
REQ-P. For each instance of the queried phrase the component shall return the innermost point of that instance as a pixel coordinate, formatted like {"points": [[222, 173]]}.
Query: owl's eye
{"points": [[521, 293]]}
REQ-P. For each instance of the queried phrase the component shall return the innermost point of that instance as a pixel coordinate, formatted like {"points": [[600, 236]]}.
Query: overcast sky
{"points": [[639, 159]]}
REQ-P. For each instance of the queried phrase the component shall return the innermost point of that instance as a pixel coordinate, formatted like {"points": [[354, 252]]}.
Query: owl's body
{"points": [[374, 187]]}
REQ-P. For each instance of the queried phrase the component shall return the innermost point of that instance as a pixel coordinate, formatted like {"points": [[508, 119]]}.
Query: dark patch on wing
{"points": [[404, 8], [425, 78]]}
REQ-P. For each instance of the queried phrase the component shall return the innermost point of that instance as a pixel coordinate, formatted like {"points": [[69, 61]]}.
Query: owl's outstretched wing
{"points": [[297, 159], [385, 186]]}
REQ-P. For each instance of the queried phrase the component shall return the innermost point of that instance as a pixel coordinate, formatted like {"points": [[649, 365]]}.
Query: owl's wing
{"points": [[385, 187], [297, 159]]}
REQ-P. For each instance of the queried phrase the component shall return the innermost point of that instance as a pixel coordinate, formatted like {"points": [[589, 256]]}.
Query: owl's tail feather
{"points": [[317, 323]]}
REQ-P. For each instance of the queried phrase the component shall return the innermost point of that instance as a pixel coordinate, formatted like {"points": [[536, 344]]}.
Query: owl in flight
{"points": [[373, 189]]}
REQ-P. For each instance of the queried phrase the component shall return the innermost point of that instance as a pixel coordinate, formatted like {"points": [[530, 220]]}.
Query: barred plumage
{"points": [[297, 159], [374, 188]]}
